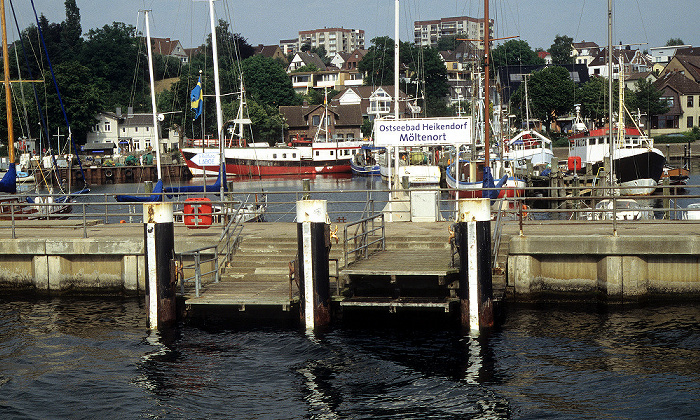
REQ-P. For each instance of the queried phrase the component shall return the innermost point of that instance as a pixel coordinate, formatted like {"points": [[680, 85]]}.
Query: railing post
{"points": [[197, 274], [216, 264], [84, 223], [12, 210]]}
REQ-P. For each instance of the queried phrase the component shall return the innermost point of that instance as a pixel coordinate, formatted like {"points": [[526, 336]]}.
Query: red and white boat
{"points": [[261, 159]]}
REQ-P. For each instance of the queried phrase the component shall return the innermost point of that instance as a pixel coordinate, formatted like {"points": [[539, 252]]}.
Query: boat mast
{"points": [[153, 94], [8, 92], [396, 89], [217, 96], [487, 93], [610, 98]]}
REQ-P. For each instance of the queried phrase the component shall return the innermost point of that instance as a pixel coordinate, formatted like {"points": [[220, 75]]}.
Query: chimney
{"points": [[119, 111]]}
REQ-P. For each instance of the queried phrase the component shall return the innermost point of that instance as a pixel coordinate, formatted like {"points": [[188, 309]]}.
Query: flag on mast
{"points": [[197, 99]]}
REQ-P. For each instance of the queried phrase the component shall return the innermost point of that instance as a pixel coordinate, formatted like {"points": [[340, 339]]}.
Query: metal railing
{"points": [[219, 255], [570, 204], [369, 232]]}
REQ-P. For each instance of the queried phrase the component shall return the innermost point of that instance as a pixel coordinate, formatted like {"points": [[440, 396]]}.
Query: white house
{"points": [[129, 132]]}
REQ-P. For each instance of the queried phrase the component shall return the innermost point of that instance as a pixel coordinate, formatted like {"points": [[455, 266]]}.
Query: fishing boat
{"points": [[416, 165], [636, 165], [366, 162]]}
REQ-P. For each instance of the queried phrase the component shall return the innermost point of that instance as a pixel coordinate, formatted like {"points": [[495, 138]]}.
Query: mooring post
{"points": [[313, 241], [160, 271], [475, 287]]}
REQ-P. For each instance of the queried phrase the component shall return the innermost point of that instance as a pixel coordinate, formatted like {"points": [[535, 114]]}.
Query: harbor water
{"points": [[95, 358], [85, 358]]}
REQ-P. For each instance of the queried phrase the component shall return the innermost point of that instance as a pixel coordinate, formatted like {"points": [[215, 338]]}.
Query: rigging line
{"points": [[60, 99], [580, 16]]}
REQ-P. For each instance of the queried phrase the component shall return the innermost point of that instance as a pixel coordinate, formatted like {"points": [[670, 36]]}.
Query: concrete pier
{"points": [[551, 260]]}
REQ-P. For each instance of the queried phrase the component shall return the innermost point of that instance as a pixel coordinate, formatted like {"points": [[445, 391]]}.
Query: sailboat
{"points": [[13, 206], [529, 147]]}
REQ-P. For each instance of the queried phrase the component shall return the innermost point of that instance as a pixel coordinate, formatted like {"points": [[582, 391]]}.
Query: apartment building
{"points": [[428, 32], [334, 40]]}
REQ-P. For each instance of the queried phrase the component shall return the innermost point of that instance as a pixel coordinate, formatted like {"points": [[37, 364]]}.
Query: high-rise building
{"points": [[428, 32], [333, 39]]}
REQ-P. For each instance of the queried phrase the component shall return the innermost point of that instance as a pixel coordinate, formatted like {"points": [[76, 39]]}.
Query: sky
{"points": [[647, 22]]}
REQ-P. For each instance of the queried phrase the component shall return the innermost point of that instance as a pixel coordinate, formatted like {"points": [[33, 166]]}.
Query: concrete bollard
{"points": [[159, 239], [475, 282], [313, 239]]}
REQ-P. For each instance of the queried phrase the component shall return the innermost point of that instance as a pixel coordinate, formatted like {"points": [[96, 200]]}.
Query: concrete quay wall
{"points": [[73, 265], [616, 269]]}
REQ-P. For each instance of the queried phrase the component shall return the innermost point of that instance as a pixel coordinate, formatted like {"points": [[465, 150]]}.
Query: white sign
{"points": [[206, 159], [422, 132]]}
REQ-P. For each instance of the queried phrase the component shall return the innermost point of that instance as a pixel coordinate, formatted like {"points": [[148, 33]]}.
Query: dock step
{"points": [[393, 304]]}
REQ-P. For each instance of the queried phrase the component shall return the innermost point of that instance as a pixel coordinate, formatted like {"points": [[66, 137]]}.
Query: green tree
{"points": [[82, 95], [515, 52], [674, 41], [433, 79], [551, 93], [267, 82], [114, 53], [71, 32], [561, 50], [647, 99], [450, 42], [593, 97], [377, 65]]}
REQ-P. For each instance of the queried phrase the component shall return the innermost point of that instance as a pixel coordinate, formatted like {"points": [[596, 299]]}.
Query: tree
{"points": [[433, 77], [551, 93], [82, 95], [646, 98], [112, 52], [593, 97], [674, 41], [267, 82], [561, 50], [450, 42], [377, 65], [71, 31], [513, 53]]}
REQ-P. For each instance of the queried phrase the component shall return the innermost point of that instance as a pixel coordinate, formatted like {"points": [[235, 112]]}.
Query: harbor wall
{"points": [[616, 269], [73, 266]]}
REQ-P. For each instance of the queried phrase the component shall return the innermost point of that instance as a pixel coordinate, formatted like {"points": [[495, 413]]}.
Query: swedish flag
{"points": [[197, 99]]}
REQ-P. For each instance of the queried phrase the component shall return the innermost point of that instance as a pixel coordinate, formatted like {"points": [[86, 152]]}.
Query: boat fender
{"points": [[108, 173]]}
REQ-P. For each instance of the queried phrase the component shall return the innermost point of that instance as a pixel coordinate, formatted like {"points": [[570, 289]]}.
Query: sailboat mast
{"points": [[610, 97], [8, 92], [217, 96], [153, 94], [396, 59], [487, 93]]}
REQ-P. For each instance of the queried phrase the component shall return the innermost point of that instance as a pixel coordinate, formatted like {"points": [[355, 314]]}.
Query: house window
{"points": [[690, 101], [136, 129], [108, 126], [669, 100], [350, 136], [123, 129], [690, 122], [316, 120]]}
